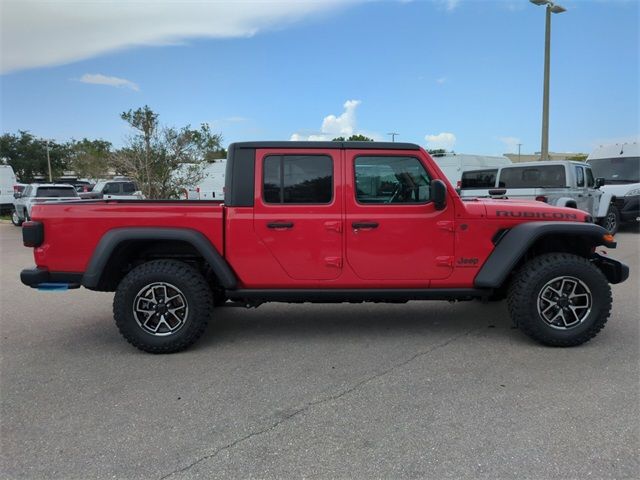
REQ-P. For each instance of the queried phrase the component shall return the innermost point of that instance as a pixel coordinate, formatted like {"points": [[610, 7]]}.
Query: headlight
{"points": [[631, 193]]}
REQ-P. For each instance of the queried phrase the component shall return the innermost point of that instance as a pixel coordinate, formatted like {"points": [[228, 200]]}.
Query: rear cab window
{"points": [[478, 179], [56, 192], [542, 176]]}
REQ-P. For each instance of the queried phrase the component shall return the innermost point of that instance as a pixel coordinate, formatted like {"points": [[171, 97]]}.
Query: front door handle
{"points": [[357, 225], [280, 225]]}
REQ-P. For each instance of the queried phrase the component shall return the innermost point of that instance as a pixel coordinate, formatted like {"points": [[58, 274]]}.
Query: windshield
{"points": [[617, 170]]}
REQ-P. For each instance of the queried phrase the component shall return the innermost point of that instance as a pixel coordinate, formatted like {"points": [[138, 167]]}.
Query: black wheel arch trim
{"points": [[115, 237], [517, 241]]}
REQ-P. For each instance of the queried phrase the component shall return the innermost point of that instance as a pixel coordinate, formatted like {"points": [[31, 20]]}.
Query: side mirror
{"points": [[439, 194], [600, 182], [17, 195]]}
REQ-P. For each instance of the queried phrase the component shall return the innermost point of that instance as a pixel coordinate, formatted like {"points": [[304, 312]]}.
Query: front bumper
{"points": [[41, 278], [615, 271], [629, 208]]}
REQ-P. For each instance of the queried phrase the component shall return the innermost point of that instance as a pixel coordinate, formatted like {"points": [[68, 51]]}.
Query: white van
{"points": [[7, 181], [454, 164], [619, 165], [211, 187]]}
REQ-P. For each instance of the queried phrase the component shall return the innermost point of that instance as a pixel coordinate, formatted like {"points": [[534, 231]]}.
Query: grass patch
{"points": [[5, 217]]}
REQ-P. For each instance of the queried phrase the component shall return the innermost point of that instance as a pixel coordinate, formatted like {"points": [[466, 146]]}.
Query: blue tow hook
{"points": [[53, 287]]}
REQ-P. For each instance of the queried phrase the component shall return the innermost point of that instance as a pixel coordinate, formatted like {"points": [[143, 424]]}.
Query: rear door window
{"points": [[542, 176], [298, 179]]}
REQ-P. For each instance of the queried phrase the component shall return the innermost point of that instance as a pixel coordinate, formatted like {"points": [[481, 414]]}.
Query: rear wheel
{"points": [[560, 299], [611, 222], [15, 219], [162, 306]]}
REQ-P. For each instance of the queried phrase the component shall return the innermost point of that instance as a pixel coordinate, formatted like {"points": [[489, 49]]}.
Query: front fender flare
{"points": [[516, 242], [115, 237]]}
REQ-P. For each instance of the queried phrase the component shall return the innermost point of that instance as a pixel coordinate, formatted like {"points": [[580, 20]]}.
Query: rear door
{"points": [[298, 210], [392, 229]]}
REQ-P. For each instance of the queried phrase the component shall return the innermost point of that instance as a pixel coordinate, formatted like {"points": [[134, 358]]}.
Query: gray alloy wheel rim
{"points": [[15, 217], [610, 224], [564, 302], [160, 309]]}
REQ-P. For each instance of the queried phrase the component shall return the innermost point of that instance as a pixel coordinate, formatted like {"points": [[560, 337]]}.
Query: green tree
{"points": [[354, 138], [578, 157], [163, 160], [27, 155], [89, 158]]}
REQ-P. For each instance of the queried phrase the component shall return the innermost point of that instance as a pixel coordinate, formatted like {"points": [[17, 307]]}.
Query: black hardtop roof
{"points": [[341, 145]]}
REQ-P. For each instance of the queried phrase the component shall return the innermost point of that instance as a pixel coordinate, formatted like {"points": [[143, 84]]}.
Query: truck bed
{"points": [[73, 230]]}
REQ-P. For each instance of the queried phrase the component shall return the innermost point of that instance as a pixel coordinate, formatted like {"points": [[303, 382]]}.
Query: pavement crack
{"points": [[326, 399]]}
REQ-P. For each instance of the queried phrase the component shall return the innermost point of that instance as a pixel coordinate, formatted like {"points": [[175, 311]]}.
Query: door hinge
{"points": [[444, 261], [333, 261], [334, 226], [446, 225]]}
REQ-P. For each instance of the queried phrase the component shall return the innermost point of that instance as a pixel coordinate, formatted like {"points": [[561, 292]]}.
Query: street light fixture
{"points": [[551, 8]]}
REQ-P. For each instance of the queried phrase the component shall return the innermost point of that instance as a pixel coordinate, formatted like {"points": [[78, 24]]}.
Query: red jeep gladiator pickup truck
{"points": [[326, 222]]}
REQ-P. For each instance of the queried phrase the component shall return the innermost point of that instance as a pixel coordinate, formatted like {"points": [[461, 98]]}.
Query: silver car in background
{"points": [[37, 193]]}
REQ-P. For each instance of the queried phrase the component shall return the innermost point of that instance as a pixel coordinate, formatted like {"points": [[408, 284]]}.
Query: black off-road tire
{"points": [[532, 278], [611, 222], [189, 282]]}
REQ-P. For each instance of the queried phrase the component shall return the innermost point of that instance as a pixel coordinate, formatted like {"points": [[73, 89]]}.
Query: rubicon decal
{"points": [[545, 215]]}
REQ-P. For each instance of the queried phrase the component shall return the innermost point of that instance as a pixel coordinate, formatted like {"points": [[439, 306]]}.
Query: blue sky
{"points": [[461, 74]]}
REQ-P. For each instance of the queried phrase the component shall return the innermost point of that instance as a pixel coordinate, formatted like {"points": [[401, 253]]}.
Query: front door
{"points": [[393, 230], [298, 211]]}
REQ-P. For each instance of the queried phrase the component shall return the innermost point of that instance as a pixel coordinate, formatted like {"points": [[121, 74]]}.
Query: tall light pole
{"points": [[519, 145], [551, 8], [393, 136], [49, 163]]}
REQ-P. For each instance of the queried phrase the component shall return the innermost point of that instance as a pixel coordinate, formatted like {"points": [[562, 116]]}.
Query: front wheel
{"points": [[162, 306], [611, 222], [15, 218], [560, 299]]}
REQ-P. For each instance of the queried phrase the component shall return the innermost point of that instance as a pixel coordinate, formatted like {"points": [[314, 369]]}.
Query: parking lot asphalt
{"points": [[420, 390]]}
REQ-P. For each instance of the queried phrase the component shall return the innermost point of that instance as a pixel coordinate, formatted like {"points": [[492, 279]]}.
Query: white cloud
{"points": [[441, 80], [442, 140], [333, 126], [99, 79], [510, 143], [37, 33], [450, 5]]}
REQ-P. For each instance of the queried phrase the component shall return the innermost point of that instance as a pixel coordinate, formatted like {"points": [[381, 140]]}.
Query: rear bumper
{"points": [[615, 271], [39, 278]]}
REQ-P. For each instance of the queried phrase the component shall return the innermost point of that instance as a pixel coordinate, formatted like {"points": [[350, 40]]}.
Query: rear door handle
{"points": [[364, 225], [280, 225]]}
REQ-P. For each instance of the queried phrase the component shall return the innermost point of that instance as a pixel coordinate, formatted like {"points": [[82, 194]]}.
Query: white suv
{"points": [[36, 193]]}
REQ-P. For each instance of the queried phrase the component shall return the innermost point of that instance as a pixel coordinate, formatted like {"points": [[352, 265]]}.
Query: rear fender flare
{"points": [[514, 244], [110, 241]]}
